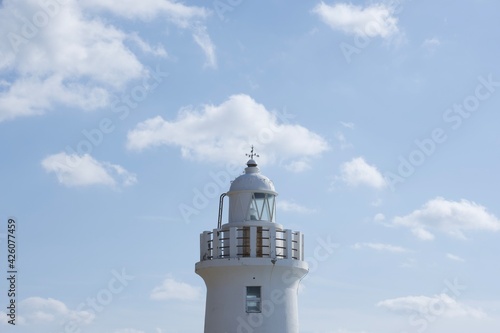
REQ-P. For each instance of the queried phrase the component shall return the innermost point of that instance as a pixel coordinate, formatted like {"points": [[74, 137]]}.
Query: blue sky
{"points": [[120, 126]]}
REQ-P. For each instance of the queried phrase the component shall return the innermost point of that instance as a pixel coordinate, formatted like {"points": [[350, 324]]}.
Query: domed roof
{"points": [[252, 180]]}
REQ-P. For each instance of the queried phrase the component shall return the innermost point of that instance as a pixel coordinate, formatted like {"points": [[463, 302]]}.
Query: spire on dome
{"points": [[252, 154], [251, 162]]}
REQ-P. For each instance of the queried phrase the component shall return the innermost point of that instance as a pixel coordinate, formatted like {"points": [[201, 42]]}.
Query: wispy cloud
{"points": [[450, 308], [409, 263], [357, 172], [181, 15], [341, 139], [218, 133], [4, 318], [202, 38], [348, 125], [431, 42], [84, 170], [173, 289], [454, 257], [290, 206], [298, 165], [380, 247], [372, 21], [38, 311], [453, 218], [127, 330], [430, 45], [158, 50]]}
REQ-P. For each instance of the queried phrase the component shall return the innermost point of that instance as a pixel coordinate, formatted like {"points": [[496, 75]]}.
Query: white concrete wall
{"points": [[226, 281]]}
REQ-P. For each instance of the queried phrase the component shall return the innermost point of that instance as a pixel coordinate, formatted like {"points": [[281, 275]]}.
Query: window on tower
{"points": [[253, 300]]}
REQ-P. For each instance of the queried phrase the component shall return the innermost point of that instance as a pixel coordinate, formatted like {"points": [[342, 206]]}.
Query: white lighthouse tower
{"points": [[251, 265]]}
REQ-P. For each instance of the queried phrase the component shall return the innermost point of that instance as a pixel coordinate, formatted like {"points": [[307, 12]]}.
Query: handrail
{"points": [[221, 204], [237, 242]]}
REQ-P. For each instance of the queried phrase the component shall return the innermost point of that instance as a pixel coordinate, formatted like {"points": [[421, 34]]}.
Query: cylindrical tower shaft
{"points": [[252, 295]]}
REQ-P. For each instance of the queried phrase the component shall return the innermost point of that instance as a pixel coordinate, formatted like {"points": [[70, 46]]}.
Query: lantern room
{"points": [[252, 197]]}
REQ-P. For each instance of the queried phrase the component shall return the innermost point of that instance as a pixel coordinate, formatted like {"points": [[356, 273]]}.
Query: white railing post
{"points": [[272, 242], [298, 238], [301, 246], [215, 244], [253, 242], [203, 246], [233, 242], [208, 245], [289, 246]]}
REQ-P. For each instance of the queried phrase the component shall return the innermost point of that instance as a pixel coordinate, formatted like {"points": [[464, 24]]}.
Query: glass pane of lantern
{"points": [[260, 199], [252, 211], [272, 208]]}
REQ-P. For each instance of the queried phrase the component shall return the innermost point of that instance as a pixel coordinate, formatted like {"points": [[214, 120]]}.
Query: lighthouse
{"points": [[251, 265]]}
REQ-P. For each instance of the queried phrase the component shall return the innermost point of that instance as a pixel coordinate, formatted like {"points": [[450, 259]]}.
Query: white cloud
{"points": [[67, 54], [454, 257], [289, 206], [128, 330], [451, 217], [298, 165], [357, 172], [373, 20], [442, 305], [173, 289], [422, 234], [347, 125], [409, 263], [4, 318], [181, 15], [380, 247], [344, 144], [223, 133], [202, 38], [32, 95], [37, 310], [431, 43], [71, 59], [158, 50], [379, 217], [76, 170]]}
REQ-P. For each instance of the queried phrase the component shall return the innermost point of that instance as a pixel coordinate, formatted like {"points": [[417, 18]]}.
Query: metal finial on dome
{"points": [[252, 154], [251, 162]]}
